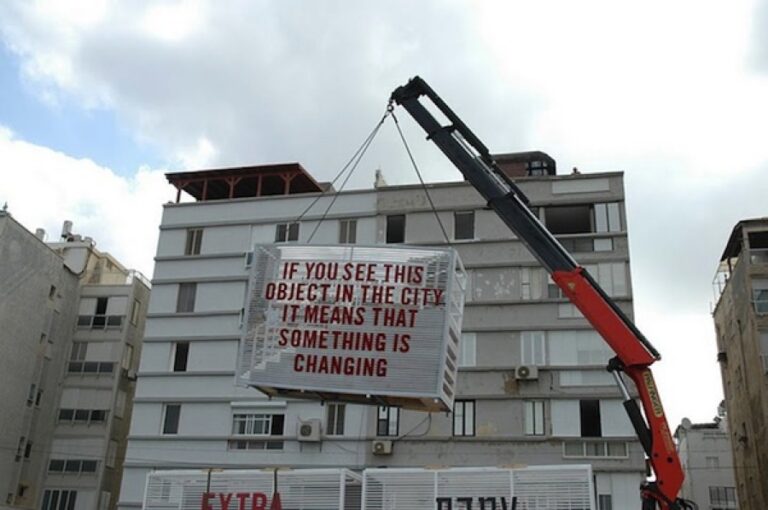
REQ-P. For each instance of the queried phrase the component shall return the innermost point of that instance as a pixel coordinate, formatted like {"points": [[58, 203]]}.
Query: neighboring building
{"points": [[741, 322], [707, 458], [532, 389], [38, 311], [90, 329]]}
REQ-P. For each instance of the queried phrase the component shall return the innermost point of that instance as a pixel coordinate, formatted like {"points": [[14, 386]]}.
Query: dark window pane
{"points": [[278, 421], [590, 418], [88, 466], [293, 232], [180, 357], [106, 367], [101, 306], [396, 228], [464, 225], [171, 422], [56, 466], [72, 466], [82, 414], [66, 414], [90, 367], [72, 499], [569, 219], [98, 415]]}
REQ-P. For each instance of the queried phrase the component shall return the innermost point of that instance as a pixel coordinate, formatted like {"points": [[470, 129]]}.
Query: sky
{"points": [[99, 98]]}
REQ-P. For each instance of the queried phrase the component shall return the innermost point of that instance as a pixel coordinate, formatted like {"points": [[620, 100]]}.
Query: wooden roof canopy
{"points": [[243, 182]]}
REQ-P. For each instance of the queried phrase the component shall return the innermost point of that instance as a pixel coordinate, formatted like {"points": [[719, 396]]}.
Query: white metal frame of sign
{"points": [[369, 324], [530, 488], [308, 489]]}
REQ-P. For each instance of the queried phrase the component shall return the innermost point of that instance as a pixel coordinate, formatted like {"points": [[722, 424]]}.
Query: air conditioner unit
{"points": [[131, 375], [381, 447], [526, 372], [309, 430]]}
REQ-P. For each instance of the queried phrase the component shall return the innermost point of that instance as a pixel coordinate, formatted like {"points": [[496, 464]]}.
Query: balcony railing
{"points": [[91, 367], [100, 321]]}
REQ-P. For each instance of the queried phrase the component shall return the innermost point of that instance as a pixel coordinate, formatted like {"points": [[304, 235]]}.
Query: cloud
{"points": [[43, 188]]}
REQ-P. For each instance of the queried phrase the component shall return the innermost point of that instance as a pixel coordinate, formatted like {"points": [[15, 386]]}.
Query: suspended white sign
{"points": [[358, 323]]}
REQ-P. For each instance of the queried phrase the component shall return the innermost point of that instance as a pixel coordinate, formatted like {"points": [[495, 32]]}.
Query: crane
{"points": [[634, 353]]}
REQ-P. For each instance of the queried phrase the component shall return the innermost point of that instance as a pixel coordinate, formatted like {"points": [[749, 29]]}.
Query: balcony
{"points": [[91, 367], [100, 321]]}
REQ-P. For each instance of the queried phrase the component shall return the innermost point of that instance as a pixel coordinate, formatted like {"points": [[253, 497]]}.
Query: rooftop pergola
{"points": [[242, 182]]}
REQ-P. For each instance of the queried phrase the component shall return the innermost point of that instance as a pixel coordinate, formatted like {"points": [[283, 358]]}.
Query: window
{"points": [[180, 356], [135, 311], [52, 292], [595, 449], [194, 239], [257, 424], [607, 217], [604, 502], [72, 466], [111, 454], [534, 417], [286, 232], [725, 497], [611, 276], [464, 418], [31, 394], [28, 450], [127, 361], [82, 416], [589, 411], [760, 295], [100, 317], [569, 219], [91, 367], [56, 499], [79, 349], [532, 348], [186, 298], [468, 350], [531, 283], [20, 448], [171, 415], [335, 419], [347, 231], [120, 403], [464, 225], [388, 422], [396, 228], [104, 500]]}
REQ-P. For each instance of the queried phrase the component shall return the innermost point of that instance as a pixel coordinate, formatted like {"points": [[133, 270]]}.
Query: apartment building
{"points": [[89, 327], [741, 324], [705, 452], [38, 310], [532, 386]]}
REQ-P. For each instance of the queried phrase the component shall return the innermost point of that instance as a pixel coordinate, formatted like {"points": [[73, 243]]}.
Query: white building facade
{"points": [[532, 386]]}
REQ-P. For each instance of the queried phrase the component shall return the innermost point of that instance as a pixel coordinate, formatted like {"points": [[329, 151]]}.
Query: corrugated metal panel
{"points": [[423, 376], [307, 489], [533, 488]]}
